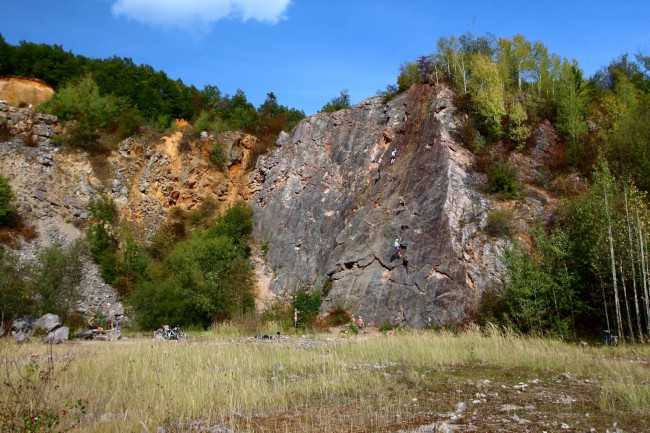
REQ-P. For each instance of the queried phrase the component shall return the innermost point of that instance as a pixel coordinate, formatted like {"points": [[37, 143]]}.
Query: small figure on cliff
{"points": [[401, 201], [379, 169], [360, 324], [295, 318], [392, 156], [398, 250]]}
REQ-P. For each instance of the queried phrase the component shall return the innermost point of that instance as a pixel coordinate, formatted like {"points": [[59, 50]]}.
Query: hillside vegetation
{"points": [[117, 96], [587, 269]]}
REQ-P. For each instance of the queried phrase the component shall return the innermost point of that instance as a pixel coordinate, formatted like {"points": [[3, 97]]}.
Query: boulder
{"points": [[85, 335], [57, 336], [20, 337], [113, 335], [48, 322], [24, 324], [283, 139]]}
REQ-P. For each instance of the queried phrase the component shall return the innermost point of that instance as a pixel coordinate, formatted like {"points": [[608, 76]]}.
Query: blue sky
{"points": [[307, 51]]}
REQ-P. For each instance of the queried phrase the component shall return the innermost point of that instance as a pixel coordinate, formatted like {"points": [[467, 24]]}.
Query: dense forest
{"points": [[586, 270]]}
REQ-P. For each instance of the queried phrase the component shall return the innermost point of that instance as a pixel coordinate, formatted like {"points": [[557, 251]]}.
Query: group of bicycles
{"points": [[167, 332]]}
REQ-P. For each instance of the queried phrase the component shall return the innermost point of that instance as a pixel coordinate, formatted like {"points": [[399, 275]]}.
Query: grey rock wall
{"points": [[327, 203]]}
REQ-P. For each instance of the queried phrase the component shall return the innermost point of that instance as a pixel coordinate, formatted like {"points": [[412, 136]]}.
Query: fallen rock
{"points": [[24, 324], [57, 336], [20, 337], [85, 335], [48, 322]]}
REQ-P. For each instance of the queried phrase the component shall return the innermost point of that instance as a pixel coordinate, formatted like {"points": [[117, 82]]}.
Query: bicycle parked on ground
{"points": [[167, 332], [609, 339]]}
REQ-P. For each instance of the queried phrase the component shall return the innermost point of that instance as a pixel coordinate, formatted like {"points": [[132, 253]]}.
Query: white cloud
{"points": [[198, 15]]}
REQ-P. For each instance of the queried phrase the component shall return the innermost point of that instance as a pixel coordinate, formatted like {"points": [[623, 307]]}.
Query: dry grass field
{"points": [[474, 381]]}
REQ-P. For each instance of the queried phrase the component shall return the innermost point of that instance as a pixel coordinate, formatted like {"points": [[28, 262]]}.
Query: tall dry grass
{"points": [[140, 384]]}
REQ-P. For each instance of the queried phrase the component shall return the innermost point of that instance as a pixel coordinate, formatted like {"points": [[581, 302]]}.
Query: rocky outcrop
{"points": [[34, 128], [327, 204], [146, 176]]}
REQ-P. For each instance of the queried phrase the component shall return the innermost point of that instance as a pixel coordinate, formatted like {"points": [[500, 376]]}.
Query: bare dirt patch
{"points": [[24, 91]]}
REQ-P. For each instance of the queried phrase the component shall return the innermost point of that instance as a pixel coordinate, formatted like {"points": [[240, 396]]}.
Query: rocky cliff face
{"points": [[328, 205], [327, 202]]}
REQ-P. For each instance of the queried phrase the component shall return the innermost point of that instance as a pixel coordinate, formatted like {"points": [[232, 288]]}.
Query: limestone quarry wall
{"points": [[327, 203]]}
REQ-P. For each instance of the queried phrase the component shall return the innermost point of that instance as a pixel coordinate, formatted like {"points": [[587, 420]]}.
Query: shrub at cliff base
{"points": [[307, 302], [202, 279]]}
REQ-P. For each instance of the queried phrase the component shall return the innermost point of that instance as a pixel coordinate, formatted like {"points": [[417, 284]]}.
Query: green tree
{"points": [[523, 60], [103, 242], [83, 109], [307, 302], [6, 52], [131, 261], [54, 279], [205, 278], [518, 131], [541, 67], [14, 295], [337, 103], [409, 74], [537, 293], [571, 105], [238, 112], [487, 94]]}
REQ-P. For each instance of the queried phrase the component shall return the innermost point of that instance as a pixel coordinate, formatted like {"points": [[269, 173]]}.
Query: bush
{"points": [[103, 243], [307, 302], [502, 178], [280, 313], [203, 279], [265, 246], [338, 316], [14, 296], [26, 403], [236, 224], [337, 103], [129, 122], [218, 157], [85, 112], [161, 302], [53, 279], [499, 224], [6, 197]]}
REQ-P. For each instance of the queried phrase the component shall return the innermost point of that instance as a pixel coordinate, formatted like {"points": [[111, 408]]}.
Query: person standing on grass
{"points": [[360, 323]]}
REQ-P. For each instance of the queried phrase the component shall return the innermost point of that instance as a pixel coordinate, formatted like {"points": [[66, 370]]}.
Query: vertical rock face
{"points": [[327, 204]]}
